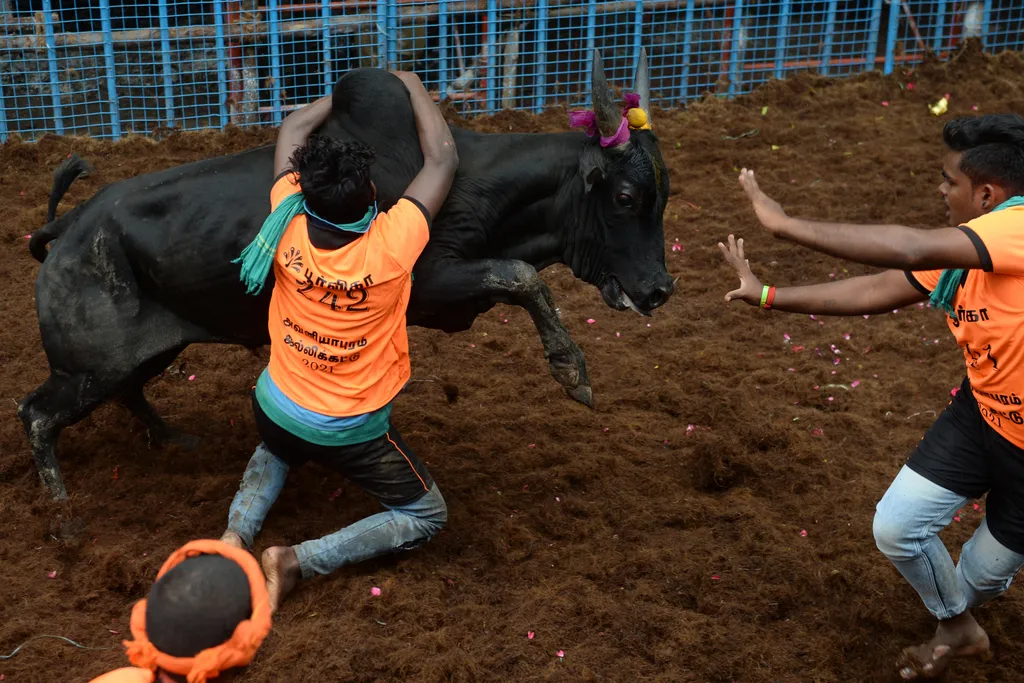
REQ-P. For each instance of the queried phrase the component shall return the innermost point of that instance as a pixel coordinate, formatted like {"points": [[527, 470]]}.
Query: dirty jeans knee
{"points": [[987, 567], [261, 484], [907, 522], [400, 528]]}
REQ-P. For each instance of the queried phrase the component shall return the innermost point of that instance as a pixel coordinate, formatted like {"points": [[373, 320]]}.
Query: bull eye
{"points": [[624, 199]]}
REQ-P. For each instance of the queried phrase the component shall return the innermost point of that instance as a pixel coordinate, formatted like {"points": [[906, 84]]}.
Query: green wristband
{"points": [[764, 295]]}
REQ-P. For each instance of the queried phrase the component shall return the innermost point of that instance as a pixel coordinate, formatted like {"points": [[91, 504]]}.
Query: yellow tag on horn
{"points": [[638, 119]]}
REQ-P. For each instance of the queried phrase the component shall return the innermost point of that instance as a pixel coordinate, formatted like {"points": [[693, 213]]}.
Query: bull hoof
{"points": [[583, 393]]}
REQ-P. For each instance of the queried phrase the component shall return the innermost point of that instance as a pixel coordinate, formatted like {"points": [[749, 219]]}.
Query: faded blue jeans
{"points": [[399, 528], [907, 522]]}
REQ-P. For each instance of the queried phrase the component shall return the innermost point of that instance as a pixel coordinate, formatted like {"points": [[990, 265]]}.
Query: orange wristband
{"points": [[771, 298]]}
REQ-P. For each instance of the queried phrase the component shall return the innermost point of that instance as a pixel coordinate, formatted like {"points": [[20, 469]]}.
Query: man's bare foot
{"points": [[233, 539], [960, 636], [281, 566]]}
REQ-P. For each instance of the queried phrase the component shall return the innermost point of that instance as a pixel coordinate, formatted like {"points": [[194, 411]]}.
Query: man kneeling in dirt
{"points": [[205, 617], [339, 351], [972, 272]]}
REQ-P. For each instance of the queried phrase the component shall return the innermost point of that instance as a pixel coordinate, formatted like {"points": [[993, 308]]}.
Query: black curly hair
{"points": [[335, 177], [992, 147]]}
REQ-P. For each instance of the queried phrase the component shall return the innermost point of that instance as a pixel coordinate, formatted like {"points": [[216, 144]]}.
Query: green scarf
{"points": [[258, 257], [945, 290]]}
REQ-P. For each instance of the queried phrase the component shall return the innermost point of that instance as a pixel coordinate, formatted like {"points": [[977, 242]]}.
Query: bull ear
{"points": [[591, 166], [642, 82], [608, 115]]}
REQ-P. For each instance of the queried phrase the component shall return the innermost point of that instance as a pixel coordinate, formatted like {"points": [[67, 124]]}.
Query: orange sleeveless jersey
{"points": [[338, 343], [989, 320]]}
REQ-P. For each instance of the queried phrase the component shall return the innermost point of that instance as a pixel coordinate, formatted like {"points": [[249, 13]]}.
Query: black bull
{"points": [[144, 268]]}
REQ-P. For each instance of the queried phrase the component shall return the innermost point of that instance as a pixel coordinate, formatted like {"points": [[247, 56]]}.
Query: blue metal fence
{"points": [[107, 68]]}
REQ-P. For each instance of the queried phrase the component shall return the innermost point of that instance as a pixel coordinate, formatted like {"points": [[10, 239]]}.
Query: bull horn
{"points": [[642, 82], [608, 115]]}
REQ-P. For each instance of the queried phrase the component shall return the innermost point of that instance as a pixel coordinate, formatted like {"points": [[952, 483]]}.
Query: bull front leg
{"points": [[461, 285]]}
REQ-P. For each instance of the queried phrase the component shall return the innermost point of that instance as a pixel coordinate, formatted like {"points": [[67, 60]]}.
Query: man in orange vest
{"points": [[339, 352], [205, 618]]}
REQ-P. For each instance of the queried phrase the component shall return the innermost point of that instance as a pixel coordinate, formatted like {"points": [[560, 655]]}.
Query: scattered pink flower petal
{"points": [[715, 577], [532, 445], [803, 533], [28, 237], [955, 391], [53, 574], [557, 499], [617, 335], [846, 336], [797, 349], [505, 320], [835, 361], [375, 592], [956, 518], [976, 507], [113, 632], [792, 370], [605, 429], [910, 86], [334, 496], [885, 104], [677, 247], [560, 654], [818, 432], [786, 337], [529, 635], [814, 317], [855, 383], [648, 324], [866, 317], [975, 107], [191, 378], [591, 321], [830, 399], [472, 346]]}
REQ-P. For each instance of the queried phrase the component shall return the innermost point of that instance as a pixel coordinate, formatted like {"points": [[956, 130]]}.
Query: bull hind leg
{"points": [[452, 283], [133, 398], [60, 402]]}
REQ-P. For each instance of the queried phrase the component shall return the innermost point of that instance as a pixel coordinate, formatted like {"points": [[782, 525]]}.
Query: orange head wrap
{"points": [[236, 652]]}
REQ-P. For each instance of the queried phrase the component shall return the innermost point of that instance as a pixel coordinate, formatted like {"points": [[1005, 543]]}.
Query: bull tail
{"points": [[70, 170]]}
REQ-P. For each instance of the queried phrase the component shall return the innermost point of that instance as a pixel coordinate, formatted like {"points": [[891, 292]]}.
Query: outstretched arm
{"points": [[440, 158], [296, 129], [857, 296], [884, 246]]}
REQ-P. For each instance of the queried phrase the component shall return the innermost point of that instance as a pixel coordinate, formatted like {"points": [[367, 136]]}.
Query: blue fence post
{"points": [[492, 55], [638, 29], [325, 17], [51, 58], [222, 60], [890, 40], [542, 58], [3, 114], [591, 38], [391, 28], [275, 59], [108, 57], [734, 54], [442, 48], [165, 55], [684, 85], [382, 34], [872, 47], [940, 17], [986, 18], [782, 37], [830, 36]]}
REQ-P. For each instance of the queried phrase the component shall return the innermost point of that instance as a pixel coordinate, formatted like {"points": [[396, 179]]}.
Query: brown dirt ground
{"points": [[641, 547]]}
